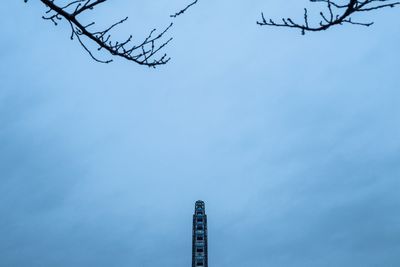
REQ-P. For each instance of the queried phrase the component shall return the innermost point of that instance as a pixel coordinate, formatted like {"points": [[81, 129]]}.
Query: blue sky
{"points": [[292, 141]]}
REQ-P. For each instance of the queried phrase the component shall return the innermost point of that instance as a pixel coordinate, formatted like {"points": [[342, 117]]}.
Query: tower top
{"points": [[199, 205], [200, 246]]}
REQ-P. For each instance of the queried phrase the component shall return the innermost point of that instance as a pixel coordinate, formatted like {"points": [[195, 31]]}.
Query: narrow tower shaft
{"points": [[199, 243]]}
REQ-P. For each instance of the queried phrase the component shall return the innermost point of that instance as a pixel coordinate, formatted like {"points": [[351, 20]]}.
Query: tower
{"points": [[199, 242]]}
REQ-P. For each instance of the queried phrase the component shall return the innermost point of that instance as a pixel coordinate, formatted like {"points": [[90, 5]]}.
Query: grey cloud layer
{"points": [[297, 150]]}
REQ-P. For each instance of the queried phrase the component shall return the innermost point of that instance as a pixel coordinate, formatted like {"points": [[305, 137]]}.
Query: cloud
{"points": [[295, 150]]}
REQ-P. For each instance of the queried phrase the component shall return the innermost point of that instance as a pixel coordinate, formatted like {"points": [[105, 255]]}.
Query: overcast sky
{"points": [[292, 141]]}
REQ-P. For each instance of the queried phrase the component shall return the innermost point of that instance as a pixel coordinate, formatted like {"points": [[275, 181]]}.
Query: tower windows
{"points": [[199, 249]]}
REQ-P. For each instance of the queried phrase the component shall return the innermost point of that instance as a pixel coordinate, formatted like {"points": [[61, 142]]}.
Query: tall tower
{"points": [[199, 243]]}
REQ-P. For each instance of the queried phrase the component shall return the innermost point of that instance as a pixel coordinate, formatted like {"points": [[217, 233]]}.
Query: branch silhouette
{"points": [[336, 14], [180, 12], [143, 53], [146, 52]]}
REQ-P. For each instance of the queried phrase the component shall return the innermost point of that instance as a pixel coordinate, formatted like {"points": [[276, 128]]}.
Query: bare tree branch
{"points": [[143, 53], [336, 14], [180, 12]]}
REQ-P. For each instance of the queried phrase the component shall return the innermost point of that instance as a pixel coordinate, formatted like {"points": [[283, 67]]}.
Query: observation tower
{"points": [[199, 242]]}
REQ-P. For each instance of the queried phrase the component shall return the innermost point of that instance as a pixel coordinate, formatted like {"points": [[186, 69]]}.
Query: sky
{"points": [[292, 141]]}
